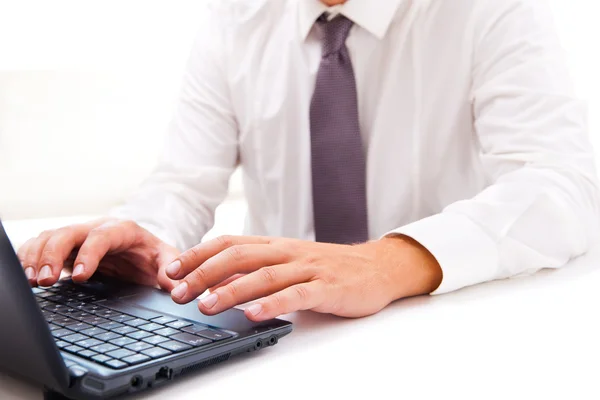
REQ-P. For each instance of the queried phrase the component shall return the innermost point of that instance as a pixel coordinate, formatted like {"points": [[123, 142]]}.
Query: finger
{"points": [[166, 255], [264, 282], [29, 269], [57, 250], [237, 259], [34, 252], [225, 282], [304, 296], [111, 236], [198, 255]]}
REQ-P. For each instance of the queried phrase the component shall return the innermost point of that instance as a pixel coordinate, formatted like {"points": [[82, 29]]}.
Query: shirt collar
{"points": [[376, 19]]}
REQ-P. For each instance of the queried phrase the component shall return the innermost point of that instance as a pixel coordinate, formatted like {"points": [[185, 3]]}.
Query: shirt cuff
{"points": [[466, 254]]}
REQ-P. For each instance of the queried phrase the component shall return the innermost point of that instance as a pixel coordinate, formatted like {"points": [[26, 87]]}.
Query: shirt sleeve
{"points": [[178, 201], [541, 208]]}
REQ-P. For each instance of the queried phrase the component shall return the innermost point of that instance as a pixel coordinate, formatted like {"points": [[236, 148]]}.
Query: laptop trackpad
{"points": [[160, 302]]}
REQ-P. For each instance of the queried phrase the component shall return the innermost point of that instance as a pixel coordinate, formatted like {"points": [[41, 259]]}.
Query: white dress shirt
{"points": [[476, 144]]}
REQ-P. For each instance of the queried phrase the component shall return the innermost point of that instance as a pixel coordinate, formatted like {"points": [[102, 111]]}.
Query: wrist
{"points": [[411, 268]]}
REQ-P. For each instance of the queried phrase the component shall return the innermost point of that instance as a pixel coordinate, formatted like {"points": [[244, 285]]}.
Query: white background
{"points": [[87, 89]]}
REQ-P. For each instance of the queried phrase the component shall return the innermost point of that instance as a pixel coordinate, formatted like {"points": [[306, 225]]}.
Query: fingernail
{"points": [[180, 290], [30, 273], [210, 300], [174, 267], [255, 309], [78, 270], [45, 273]]}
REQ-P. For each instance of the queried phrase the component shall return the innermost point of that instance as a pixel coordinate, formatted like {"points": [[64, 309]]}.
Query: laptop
{"points": [[106, 338]]}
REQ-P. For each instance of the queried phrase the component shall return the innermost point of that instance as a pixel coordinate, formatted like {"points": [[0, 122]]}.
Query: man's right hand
{"points": [[121, 249]]}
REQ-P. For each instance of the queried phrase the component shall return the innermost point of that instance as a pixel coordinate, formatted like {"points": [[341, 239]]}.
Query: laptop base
{"points": [[52, 395]]}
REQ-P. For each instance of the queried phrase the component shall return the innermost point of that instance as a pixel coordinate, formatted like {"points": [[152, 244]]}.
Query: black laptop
{"points": [[106, 338]]}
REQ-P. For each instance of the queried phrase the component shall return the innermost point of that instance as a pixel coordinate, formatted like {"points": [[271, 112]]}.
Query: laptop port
{"points": [[165, 373], [273, 340], [137, 382]]}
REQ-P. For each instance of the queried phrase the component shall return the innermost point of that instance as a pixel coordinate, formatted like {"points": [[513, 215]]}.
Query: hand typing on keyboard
{"points": [[118, 248], [286, 275]]}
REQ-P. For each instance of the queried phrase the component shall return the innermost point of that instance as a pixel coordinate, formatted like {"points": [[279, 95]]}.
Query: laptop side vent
{"points": [[212, 361]]}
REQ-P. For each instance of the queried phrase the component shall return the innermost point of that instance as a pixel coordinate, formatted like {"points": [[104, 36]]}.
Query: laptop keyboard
{"points": [[116, 334]]}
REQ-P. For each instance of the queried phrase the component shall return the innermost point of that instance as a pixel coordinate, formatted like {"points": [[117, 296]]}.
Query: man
{"points": [[390, 148]]}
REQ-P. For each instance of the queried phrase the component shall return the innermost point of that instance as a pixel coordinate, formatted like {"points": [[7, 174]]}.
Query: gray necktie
{"points": [[338, 156]]}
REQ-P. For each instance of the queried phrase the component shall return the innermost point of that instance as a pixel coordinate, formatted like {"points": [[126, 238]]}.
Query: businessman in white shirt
{"points": [[390, 148]]}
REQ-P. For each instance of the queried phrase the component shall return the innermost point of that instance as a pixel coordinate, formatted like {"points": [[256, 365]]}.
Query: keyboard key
{"points": [[61, 344], [53, 327], [78, 327], [44, 294], [64, 321], [74, 338], [121, 318], [120, 353], [136, 359], [81, 296], [68, 311], [138, 346], [156, 352], [166, 331], [87, 354], [92, 308], [108, 336], [93, 331], [150, 327], [195, 328], [122, 341], [139, 335], [190, 339], [101, 358], [73, 349], [110, 325], [104, 348], [54, 307], [163, 320], [116, 364], [61, 332], [81, 315], [136, 322], [175, 346], [87, 343], [58, 298], [179, 324], [213, 334], [125, 330], [77, 304], [106, 313], [94, 320], [155, 339], [43, 304]]}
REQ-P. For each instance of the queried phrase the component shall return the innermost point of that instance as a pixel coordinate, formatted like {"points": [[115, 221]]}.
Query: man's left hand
{"points": [[286, 275]]}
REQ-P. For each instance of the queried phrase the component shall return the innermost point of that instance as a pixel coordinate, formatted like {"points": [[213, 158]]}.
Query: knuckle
{"points": [[311, 260], [225, 240], [301, 292], [268, 275], [190, 255], [236, 253], [46, 234], [231, 290], [199, 277], [128, 225], [277, 302]]}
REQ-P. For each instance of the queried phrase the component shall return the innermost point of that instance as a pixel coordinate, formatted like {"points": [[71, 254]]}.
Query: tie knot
{"points": [[333, 33]]}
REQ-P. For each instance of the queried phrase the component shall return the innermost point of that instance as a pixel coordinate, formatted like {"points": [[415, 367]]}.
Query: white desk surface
{"points": [[535, 337]]}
